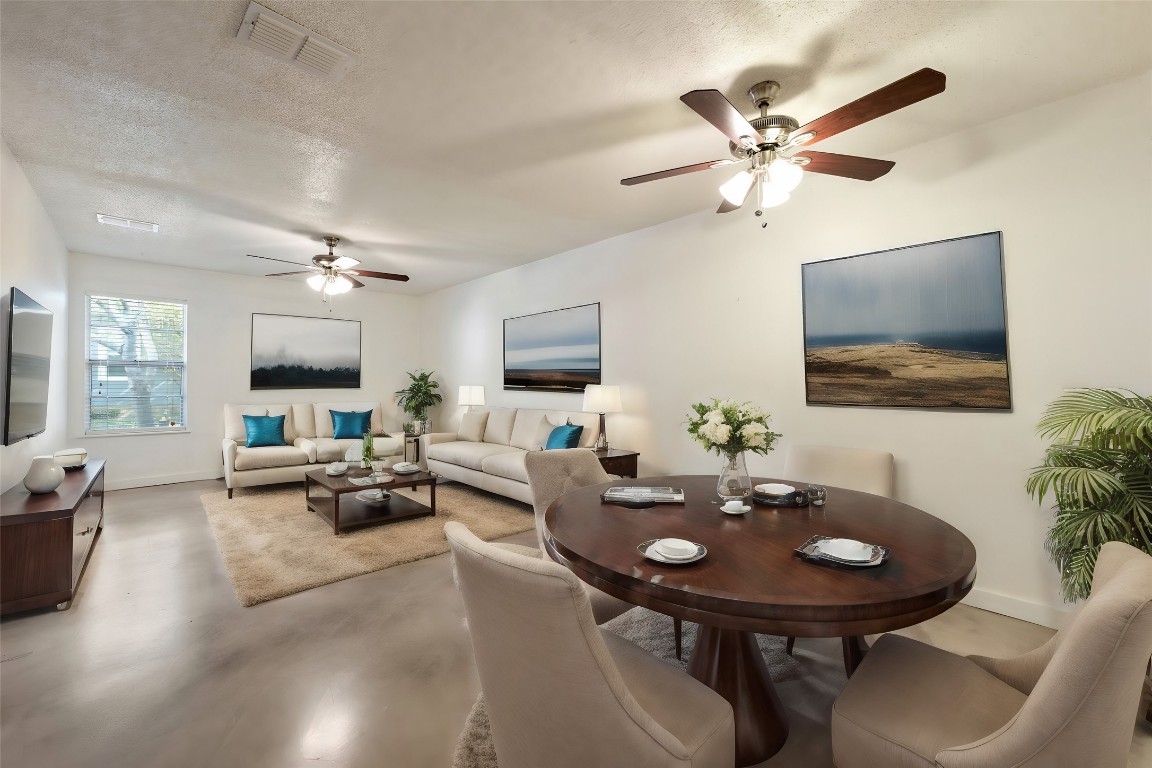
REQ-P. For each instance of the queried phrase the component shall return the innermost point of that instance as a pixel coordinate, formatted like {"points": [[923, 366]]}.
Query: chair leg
{"points": [[229, 493], [676, 629], [788, 646]]}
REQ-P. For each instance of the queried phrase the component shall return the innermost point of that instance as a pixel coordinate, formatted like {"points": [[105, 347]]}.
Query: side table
{"points": [[618, 462]]}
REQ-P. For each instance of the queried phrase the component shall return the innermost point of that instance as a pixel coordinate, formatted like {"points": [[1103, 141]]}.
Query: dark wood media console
{"points": [[46, 539]]}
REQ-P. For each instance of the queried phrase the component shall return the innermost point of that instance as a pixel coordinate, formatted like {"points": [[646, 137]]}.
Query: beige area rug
{"points": [[274, 546], [649, 630]]}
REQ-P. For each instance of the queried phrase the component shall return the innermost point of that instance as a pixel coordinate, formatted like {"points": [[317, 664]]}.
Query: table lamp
{"points": [[602, 399], [471, 394]]}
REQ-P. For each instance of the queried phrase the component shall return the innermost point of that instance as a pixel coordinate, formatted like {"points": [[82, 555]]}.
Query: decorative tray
{"points": [[797, 499], [809, 552]]}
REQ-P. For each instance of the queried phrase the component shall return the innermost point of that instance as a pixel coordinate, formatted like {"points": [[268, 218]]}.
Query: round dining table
{"points": [[752, 580]]}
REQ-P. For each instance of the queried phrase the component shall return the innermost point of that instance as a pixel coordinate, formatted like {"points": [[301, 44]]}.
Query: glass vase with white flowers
{"points": [[732, 429]]}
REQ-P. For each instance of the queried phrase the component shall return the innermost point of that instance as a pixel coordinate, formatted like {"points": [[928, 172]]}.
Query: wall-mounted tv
{"points": [[29, 359], [556, 351]]}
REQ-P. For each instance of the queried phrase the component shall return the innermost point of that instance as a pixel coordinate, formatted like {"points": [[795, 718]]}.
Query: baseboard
{"points": [[121, 484], [1037, 613]]}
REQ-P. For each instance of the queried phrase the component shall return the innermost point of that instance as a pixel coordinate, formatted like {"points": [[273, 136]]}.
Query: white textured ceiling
{"points": [[474, 136]]}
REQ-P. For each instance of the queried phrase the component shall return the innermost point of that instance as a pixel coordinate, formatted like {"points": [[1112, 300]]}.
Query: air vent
{"points": [[277, 36], [120, 221]]}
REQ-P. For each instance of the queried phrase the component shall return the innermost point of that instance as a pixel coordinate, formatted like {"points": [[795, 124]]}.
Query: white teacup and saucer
{"points": [[735, 507]]}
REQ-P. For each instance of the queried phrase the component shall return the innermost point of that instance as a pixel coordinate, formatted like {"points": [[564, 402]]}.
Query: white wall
{"points": [[711, 305], [220, 308], [34, 259]]}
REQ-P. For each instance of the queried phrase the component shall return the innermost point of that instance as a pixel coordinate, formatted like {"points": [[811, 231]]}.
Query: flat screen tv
{"points": [[553, 351], [29, 359]]}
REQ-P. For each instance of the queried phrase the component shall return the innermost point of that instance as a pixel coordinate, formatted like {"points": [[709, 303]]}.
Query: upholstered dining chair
{"points": [[604, 701], [857, 469], [1071, 703]]}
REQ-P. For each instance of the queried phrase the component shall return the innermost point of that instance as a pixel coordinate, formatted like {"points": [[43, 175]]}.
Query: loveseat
{"points": [[308, 438], [492, 457]]}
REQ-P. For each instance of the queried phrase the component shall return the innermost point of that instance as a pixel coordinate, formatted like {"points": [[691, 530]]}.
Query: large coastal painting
{"points": [[921, 327], [291, 352], [557, 350]]}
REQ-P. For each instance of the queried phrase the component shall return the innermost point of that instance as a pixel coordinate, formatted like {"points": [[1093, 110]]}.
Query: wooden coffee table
{"points": [[340, 507]]}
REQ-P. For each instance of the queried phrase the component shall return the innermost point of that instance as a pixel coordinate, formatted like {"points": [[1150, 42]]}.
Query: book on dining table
{"points": [[644, 493]]}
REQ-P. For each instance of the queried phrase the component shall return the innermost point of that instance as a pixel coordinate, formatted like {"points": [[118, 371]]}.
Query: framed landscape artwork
{"points": [[291, 352], [921, 326], [553, 351]]}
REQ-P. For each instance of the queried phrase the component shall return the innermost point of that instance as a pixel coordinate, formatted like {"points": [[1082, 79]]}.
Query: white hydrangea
{"points": [[755, 411], [716, 432], [714, 417], [753, 434]]}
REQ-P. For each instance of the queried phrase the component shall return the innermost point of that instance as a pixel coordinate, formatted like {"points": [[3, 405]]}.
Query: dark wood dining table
{"points": [[751, 581]]}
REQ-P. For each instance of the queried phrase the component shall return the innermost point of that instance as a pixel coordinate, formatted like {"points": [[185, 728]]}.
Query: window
{"points": [[136, 370]]}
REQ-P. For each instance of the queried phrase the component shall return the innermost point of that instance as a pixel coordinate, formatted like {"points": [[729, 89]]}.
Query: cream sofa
{"points": [[496, 462], [308, 432]]}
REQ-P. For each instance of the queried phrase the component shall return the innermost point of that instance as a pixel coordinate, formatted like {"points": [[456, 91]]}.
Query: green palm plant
{"points": [[419, 395], [1099, 471]]}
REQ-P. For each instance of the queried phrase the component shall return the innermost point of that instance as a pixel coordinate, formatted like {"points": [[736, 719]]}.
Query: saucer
{"points": [[395, 471], [648, 549], [774, 489], [368, 497], [739, 511]]}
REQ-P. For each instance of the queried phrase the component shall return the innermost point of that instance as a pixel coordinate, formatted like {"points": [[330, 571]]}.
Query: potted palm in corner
{"points": [[418, 397], [1099, 471]]}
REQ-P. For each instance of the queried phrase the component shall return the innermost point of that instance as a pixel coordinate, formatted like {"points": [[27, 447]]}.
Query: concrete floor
{"points": [[156, 664]]}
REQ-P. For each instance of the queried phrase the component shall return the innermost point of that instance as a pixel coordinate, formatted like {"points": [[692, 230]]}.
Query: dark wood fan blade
{"points": [[269, 258], [282, 274], [849, 166], [713, 107], [355, 283], [905, 91], [379, 275], [675, 172]]}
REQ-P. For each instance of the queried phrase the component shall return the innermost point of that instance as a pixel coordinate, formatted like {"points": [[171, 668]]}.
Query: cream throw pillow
{"points": [[472, 426]]}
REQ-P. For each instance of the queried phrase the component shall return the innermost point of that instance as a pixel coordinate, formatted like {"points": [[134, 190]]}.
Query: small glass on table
{"points": [[817, 495]]}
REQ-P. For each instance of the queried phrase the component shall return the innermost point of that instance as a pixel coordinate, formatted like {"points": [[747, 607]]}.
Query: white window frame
{"points": [[88, 431]]}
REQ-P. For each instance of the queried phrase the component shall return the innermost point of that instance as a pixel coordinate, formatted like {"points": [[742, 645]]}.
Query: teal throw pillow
{"points": [[564, 436], [350, 425], [262, 431]]}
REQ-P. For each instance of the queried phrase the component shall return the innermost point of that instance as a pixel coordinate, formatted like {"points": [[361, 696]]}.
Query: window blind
{"points": [[136, 365]]}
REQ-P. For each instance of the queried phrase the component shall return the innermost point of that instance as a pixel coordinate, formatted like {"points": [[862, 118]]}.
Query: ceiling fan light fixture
{"points": [[338, 284], [772, 195], [736, 188], [316, 282], [785, 175]]}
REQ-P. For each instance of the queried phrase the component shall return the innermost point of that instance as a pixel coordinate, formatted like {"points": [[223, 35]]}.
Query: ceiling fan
{"points": [[332, 274], [771, 145]]}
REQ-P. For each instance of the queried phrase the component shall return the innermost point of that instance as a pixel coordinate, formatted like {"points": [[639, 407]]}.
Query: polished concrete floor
{"points": [[156, 664]]}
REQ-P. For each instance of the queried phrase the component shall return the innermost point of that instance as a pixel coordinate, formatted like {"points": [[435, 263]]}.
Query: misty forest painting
{"points": [[921, 326], [305, 353], [557, 350]]}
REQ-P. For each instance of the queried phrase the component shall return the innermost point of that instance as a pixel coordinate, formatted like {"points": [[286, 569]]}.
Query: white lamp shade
{"points": [[785, 176], [736, 188], [602, 398], [471, 394], [316, 282]]}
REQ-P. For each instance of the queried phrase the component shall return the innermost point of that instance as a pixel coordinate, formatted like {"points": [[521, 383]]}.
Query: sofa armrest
{"points": [[228, 448], [429, 439]]}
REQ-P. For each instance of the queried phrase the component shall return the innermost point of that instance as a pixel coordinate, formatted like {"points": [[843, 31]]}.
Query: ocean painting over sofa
{"points": [[557, 350], [921, 326], [290, 352]]}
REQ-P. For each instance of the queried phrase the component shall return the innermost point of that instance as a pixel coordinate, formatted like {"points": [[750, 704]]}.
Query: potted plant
{"points": [[1099, 471], [419, 396]]}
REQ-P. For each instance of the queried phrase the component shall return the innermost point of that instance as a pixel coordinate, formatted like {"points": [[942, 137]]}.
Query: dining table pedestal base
{"points": [[730, 662]]}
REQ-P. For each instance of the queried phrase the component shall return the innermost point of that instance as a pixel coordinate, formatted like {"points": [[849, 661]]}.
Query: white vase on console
{"points": [[44, 476]]}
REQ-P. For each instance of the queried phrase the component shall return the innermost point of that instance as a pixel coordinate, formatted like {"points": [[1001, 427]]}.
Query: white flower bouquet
{"points": [[731, 428]]}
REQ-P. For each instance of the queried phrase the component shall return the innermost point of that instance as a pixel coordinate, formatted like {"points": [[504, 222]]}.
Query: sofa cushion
{"points": [[261, 431], [329, 449], [350, 425], [564, 436], [509, 465], [465, 454], [472, 426], [271, 456], [499, 427], [234, 414], [531, 429], [321, 412]]}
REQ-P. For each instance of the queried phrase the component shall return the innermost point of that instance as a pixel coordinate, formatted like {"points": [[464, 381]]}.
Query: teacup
{"points": [[676, 547]]}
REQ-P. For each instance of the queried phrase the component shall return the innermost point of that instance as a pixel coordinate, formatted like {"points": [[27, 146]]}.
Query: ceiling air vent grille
{"points": [[286, 40]]}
